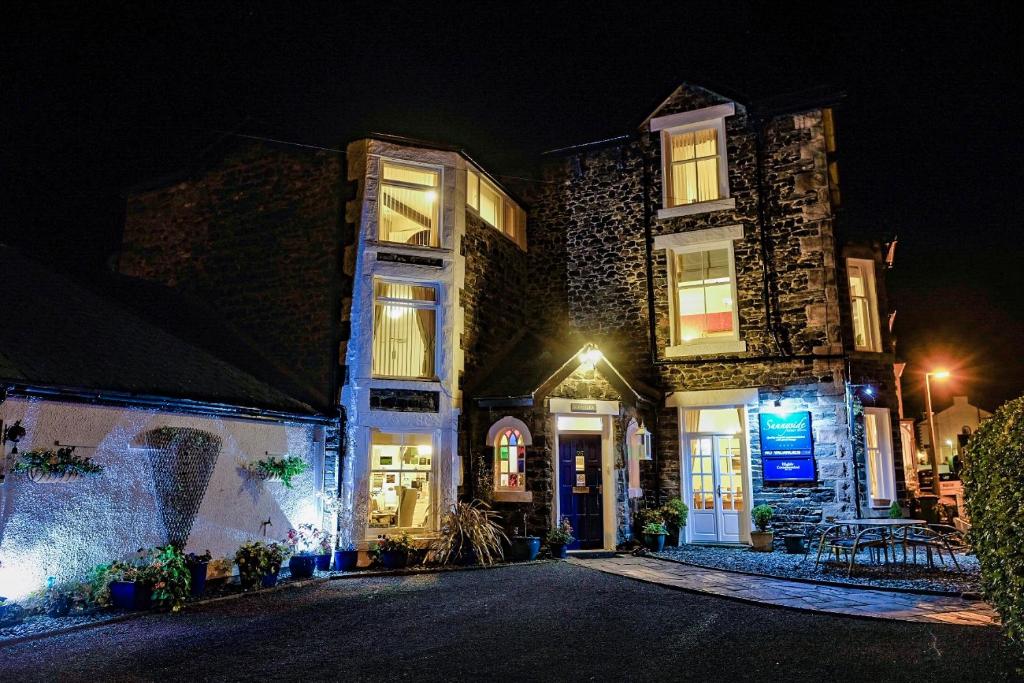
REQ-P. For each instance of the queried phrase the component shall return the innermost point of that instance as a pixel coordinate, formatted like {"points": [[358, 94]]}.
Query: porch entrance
{"points": [[581, 488]]}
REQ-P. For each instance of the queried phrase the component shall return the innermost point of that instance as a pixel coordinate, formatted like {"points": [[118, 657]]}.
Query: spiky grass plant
{"points": [[469, 526]]}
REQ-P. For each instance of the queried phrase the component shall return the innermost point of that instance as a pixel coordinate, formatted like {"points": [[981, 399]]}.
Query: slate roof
{"points": [[58, 332]]}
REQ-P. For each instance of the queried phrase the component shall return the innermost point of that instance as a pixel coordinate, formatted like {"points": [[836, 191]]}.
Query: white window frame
{"points": [[867, 266], [414, 305], [887, 476], [688, 242], [518, 234], [384, 161], [686, 122], [370, 532]]}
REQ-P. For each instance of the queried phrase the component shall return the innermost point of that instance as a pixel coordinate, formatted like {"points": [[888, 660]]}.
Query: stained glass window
{"points": [[510, 461]]}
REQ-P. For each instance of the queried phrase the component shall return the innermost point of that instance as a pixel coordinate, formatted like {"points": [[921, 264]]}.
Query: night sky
{"points": [[930, 135]]}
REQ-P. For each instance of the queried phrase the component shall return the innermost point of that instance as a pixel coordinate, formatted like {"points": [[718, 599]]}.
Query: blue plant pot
{"points": [[559, 551], [130, 595], [394, 559], [323, 562], [198, 572], [270, 580], [655, 542], [346, 560], [525, 548], [302, 566]]}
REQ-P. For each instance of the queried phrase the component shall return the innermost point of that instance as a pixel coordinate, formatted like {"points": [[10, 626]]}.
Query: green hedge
{"points": [[993, 479]]}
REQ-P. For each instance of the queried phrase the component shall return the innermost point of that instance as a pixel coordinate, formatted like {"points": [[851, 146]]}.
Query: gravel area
{"points": [[942, 577], [545, 622]]}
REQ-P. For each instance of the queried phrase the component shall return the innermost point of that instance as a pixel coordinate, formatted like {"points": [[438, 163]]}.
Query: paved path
{"points": [[798, 595]]}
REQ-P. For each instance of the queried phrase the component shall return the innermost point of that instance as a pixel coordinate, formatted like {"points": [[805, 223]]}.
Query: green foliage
{"points": [[647, 516], [60, 462], [469, 526], [171, 578], [654, 528], [675, 512], [561, 534], [895, 511], [993, 479], [762, 515], [279, 468], [257, 559]]}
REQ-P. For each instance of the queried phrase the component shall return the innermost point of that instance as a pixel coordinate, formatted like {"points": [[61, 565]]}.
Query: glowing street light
{"points": [[934, 455]]}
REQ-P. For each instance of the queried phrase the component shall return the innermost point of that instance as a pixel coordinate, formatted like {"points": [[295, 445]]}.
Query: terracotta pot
{"points": [[40, 477], [761, 541]]}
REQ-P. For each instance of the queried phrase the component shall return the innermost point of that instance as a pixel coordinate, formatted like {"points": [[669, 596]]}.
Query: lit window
{"points": [[692, 167], [400, 482], [404, 329], [496, 209], [878, 444], [863, 305], [510, 461], [704, 295], [409, 204]]}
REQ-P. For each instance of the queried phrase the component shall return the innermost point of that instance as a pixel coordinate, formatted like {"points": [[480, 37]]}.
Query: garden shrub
{"points": [[993, 480]]}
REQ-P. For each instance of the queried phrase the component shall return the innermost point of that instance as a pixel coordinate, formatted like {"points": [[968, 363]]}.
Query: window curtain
{"points": [[425, 322]]}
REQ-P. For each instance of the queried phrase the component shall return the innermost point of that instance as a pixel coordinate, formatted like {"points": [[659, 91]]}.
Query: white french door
{"points": [[715, 476], [878, 446]]}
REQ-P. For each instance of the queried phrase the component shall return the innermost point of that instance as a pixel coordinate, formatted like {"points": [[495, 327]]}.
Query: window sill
{"points": [[513, 496], [706, 348], [699, 207]]}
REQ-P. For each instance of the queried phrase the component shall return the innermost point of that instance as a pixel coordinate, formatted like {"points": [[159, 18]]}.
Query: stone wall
{"points": [[257, 234]]}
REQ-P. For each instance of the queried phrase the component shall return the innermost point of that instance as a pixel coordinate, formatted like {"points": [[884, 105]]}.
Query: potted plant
{"points": [[56, 467], [197, 567], [305, 546], [559, 538], [468, 534], [346, 557], [524, 548], [281, 469], [762, 539], [675, 512], [130, 584], [654, 536], [259, 563], [393, 551]]}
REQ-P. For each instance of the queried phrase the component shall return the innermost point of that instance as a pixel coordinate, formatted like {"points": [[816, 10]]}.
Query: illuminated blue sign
{"points": [[786, 434], [788, 468]]}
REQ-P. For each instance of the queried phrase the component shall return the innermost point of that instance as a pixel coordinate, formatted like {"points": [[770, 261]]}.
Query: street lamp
{"points": [[934, 455]]}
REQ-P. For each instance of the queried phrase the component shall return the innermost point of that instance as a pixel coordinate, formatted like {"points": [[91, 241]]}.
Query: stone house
{"points": [[669, 313]]}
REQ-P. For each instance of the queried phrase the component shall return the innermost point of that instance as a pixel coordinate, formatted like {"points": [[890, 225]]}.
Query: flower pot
{"points": [[130, 595], [559, 551], [761, 541], [394, 559], [198, 572], [525, 548], [323, 562], [654, 542], [345, 560], [672, 537], [794, 544], [302, 566], [40, 477], [270, 580]]}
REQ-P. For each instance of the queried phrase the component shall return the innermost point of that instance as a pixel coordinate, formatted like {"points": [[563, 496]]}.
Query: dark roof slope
{"points": [[58, 332]]}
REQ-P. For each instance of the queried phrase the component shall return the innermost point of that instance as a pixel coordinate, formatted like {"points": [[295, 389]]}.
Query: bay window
{"points": [[400, 481], [863, 305], [495, 208], [409, 205], [404, 329]]}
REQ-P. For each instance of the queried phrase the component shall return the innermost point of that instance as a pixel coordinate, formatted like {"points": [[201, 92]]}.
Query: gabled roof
{"points": [[59, 333], [532, 366]]}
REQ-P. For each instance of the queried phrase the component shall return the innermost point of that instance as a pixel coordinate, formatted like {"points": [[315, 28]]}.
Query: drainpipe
{"points": [[853, 451]]}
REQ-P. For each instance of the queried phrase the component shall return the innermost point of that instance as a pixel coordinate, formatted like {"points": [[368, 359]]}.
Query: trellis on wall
{"points": [[183, 461]]}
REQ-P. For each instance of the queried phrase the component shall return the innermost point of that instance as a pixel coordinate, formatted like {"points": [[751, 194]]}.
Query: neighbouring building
{"points": [[171, 425], [670, 313]]}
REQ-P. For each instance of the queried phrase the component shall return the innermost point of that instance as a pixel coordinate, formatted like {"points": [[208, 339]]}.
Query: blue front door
{"points": [[580, 488]]}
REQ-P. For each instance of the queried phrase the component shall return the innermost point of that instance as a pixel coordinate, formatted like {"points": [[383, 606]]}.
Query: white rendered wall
{"points": [[63, 530]]}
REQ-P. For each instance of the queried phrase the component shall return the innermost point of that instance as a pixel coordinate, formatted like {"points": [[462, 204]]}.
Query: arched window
{"points": [[510, 461]]}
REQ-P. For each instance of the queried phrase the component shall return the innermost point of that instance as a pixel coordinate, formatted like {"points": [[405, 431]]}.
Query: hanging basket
{"points": [[40, 477]]}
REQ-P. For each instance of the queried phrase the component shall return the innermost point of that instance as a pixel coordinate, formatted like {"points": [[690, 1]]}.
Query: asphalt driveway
{"points": [[539, 622]]}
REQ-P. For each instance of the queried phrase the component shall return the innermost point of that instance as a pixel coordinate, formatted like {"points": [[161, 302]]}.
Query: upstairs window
{"points": [[404, 330], [409, 207], [704, 295], [496, 209], [864, 305], [692, 167]]}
